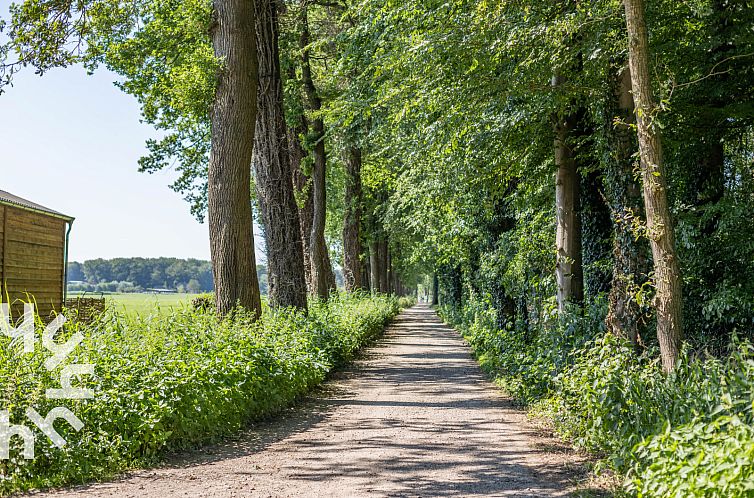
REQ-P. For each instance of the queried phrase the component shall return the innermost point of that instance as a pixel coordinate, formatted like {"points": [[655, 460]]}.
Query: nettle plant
{"points": [[171, 381], [57, 367]]}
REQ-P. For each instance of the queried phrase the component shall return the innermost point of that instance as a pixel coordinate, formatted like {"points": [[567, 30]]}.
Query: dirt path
{"points": [[414, 417]]}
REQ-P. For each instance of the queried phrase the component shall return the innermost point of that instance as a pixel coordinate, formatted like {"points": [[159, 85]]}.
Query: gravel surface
{"points": [[414, 416]]}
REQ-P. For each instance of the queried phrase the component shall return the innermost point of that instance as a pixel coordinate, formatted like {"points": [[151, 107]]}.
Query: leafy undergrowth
{"points": [[687, 434], [406, 301], [171, 382]]}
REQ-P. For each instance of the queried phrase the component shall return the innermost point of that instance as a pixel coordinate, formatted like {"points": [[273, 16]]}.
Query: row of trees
{"points": [[235, 87], [140, 274], [423, 137], [479, 105], [642, 114], [291, 158], [145, 273]]}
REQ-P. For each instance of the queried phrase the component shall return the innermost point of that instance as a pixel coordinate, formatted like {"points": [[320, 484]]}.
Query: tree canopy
{"points": [[562, 173]]}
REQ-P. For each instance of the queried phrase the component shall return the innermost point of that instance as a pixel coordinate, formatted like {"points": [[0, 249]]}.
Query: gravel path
{"points": [[414, 417]]}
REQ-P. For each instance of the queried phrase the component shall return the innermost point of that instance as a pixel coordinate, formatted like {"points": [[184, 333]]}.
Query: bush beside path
{"points": [[171, 382]]}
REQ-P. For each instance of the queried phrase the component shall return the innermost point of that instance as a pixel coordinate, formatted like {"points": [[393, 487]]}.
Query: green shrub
{"points": [[702, 459], [526, 364], [406, 302], [684, 434], [170, 382], [203, 302]]}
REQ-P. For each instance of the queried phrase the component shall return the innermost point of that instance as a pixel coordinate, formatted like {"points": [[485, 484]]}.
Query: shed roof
{"points": [[16, 201]]}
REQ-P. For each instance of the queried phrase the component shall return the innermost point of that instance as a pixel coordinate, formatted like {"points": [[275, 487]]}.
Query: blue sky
{"points": [[71, 142]]}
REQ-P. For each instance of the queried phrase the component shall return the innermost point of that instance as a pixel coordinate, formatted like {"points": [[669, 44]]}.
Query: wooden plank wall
{"points": [[33, 246], [2, 253]]}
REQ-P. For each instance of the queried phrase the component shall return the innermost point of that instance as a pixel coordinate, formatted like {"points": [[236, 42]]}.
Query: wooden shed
{"points": [[33, 254]]}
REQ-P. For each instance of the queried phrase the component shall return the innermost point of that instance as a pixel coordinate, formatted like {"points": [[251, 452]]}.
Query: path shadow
{"points": [[443, 376]]}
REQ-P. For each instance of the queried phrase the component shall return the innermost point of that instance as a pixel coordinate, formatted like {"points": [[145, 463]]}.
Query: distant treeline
{"points": [[139, 274]]}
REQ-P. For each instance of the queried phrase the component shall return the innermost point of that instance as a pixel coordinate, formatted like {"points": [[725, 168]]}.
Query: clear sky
{"points": [[70, 142]]}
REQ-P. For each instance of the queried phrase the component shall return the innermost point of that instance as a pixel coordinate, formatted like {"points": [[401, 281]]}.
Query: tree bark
{"points": [[624, 316], [435, 290], [384, 257], [569, 272], [395, 279], [365, 271], [302, 186], [229, 176], [374, 266], [352, 220], [390, 272], [323, 279], [272, 167], [668, 299]]}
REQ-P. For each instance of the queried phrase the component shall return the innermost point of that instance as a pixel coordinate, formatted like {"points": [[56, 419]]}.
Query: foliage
{"points": [[204, 302], [453, 106], [702, 459], [460, 106], [161, 50], [166, 383], [406, 301], [684, 434], [146, 273]]}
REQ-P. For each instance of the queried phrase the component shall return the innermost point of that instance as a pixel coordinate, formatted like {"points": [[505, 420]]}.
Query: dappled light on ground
{"points": [[414, 417]]}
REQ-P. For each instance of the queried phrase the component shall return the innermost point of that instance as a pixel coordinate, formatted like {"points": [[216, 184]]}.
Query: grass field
{"points": [[144, 303]]}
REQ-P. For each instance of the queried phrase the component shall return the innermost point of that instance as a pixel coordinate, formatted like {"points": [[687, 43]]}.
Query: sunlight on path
{"points": [[415, 417]]}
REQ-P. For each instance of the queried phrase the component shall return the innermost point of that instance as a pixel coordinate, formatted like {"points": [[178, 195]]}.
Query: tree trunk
{"points": [[365, 284], [435, 290], [569, 273], [390, 272], [229, 176], [272, 167], [668, 299], [323, 279], [624, 316], [374, 266], [302, 186], [395, 278], [352, 220], [384, 265]]}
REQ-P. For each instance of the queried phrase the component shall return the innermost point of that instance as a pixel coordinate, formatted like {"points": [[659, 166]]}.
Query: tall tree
{"points": [[384, 265], [623, 194], [365, 269], [272, 167], [668, 299], [323, 279], [302, 186], [352, 219], [229, 177], [374, 266], [569, 272], [435, 290]]}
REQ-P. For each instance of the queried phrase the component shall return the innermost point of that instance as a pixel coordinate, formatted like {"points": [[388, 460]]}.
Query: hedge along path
{"points": [[414, 417]]}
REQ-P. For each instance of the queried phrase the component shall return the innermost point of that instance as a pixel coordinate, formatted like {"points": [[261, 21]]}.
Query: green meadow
{"points": [[141, 303]]}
